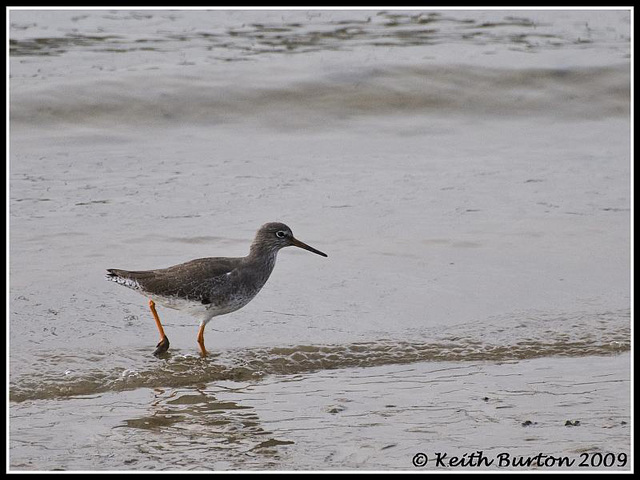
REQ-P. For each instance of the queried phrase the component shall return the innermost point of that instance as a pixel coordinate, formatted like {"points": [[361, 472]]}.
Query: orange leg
{"points": [[203, 350], [163, 346]]}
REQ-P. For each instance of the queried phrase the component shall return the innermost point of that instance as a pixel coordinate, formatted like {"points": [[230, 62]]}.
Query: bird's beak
{"points": [[298, 243]]}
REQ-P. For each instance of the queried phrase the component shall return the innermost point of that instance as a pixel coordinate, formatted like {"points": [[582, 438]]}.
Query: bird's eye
{"points": [[281, 234]]}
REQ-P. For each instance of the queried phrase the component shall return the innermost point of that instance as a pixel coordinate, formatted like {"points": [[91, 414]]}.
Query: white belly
{"points": [[199, 310]]}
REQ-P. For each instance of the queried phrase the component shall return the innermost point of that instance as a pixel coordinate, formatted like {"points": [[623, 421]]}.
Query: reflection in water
{"points": [[373, 418], [209, 428]]}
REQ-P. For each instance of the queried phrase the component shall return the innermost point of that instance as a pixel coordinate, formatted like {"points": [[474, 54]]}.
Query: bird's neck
{"points": [[261, 250], [263, 257]]}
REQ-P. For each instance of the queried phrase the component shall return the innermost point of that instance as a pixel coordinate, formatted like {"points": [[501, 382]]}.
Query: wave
{"points": [[149, 100], [541, 336]]}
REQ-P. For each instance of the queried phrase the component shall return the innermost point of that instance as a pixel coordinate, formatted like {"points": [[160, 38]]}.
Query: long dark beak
{"points": [[298, 243]]}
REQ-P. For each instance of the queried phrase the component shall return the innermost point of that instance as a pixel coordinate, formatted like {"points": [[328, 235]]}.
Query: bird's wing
{"points": [[192, 280]]}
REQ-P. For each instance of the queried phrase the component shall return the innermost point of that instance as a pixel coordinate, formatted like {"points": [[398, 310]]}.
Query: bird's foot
{"points": [[162, 346]]}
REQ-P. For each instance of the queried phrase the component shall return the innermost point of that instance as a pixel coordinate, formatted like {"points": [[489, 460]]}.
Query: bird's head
{"points": [[273, 236]]}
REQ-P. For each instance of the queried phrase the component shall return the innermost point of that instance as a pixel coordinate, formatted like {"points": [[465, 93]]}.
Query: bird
{"points": [[208, 287]]}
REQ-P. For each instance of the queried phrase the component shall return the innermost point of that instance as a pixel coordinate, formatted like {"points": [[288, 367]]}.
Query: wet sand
{"points": [[374, 418], [476, 214]]}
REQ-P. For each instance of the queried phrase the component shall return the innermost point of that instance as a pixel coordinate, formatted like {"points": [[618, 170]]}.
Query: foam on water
{"points": [[499, 341]]}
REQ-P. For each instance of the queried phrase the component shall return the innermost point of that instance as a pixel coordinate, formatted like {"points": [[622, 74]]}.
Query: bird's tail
{"points": [[122, 277]]}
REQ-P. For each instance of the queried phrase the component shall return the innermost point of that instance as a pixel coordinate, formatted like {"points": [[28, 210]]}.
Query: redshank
{"points": [[208, 287]]}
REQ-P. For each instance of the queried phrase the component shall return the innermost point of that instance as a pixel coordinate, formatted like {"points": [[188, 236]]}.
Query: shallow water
{"points": [[373, 418], [467, 173]]}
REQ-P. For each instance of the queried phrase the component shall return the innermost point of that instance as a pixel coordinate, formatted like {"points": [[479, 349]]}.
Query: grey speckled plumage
{"points": [[208, 287]]}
